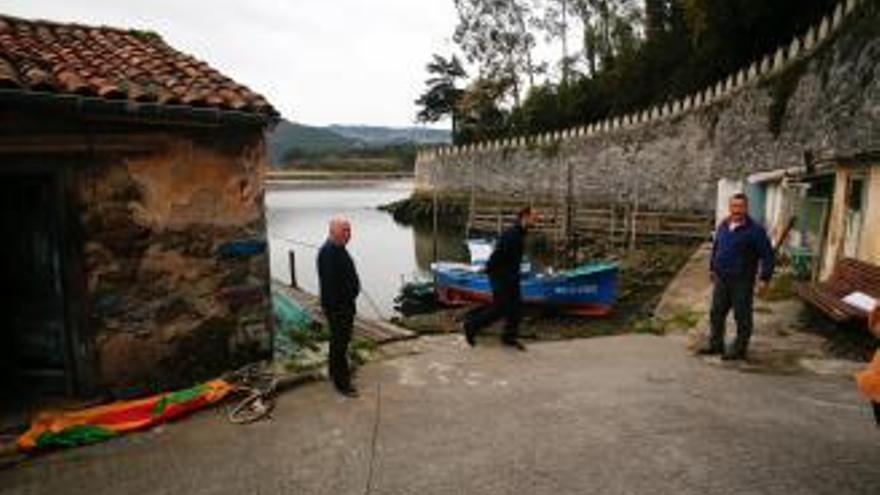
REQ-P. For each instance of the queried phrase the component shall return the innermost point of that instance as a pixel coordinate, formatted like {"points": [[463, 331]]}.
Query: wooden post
{"points": [[635, 211], [291, 257], [569, 213], [613, 215], [555, 234], [435, 221], [471, 203]]}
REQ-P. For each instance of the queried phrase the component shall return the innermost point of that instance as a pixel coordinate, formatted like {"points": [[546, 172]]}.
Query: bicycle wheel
{"points": [[253, 408]]}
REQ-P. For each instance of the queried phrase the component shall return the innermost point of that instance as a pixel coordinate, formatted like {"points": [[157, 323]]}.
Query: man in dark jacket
{"points": [[503, 269], [740, 245], [340, 287]]}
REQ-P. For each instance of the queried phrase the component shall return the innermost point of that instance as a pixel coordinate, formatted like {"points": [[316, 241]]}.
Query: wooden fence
{"points": [[618, 223]]}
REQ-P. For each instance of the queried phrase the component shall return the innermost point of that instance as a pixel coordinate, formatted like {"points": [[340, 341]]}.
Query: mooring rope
{"points": [[370, 301]]}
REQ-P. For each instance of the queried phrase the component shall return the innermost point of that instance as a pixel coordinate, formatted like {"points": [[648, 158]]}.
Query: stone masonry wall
{"points": [[175, 259], [820, 94]]}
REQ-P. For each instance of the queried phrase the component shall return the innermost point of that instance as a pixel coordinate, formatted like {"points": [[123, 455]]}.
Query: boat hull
{"points": [[587, 291]]}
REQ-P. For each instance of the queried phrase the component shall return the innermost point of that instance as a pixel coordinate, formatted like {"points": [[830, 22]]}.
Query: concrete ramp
{"points": [[691, 289]]}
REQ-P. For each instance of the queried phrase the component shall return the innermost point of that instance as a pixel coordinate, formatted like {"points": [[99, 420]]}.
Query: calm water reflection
{"points": [[384, 251]]}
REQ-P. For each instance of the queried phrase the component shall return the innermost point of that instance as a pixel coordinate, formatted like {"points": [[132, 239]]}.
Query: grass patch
{"points": [[679, 322], [781, 289], [361, 350]]}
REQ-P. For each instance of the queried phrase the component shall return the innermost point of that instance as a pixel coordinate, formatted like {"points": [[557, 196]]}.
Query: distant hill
{"points": [[293, 138], [289, 136], [383, 136]]}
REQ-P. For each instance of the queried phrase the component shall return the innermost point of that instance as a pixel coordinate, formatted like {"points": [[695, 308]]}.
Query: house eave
{"points": [[95, 108]]}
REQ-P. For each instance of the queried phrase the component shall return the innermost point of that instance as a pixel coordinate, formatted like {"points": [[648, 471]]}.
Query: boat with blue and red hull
{"points": [[587, 290]]}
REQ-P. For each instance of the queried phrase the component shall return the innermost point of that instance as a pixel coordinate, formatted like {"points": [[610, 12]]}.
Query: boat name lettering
{"points": [[586, 289]]}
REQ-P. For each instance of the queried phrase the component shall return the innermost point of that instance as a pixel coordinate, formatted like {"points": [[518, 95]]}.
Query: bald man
{"points": [[340, 287]]}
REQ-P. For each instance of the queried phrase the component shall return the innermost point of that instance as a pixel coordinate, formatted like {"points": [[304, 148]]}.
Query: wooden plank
{"points": [[848, 276], [376, 331]]}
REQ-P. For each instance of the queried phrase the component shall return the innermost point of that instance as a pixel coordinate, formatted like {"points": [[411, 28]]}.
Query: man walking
{"points": [[339, 286], [740, 245], [503, 269]]}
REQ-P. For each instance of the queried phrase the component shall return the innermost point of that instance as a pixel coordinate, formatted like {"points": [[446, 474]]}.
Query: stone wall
{"points": [[819, 95], [175, 260]]}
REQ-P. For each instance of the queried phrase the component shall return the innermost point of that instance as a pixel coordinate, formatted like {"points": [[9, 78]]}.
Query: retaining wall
{"points": [[820, 95]]}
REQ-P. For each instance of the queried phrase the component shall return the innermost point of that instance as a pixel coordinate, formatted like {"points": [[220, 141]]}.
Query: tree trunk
{"points": [[590, 51], [564, 42], [654, 14], [606, 32]]}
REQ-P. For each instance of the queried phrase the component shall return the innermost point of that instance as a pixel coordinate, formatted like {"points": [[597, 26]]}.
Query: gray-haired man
{"points": [[340, 287]]}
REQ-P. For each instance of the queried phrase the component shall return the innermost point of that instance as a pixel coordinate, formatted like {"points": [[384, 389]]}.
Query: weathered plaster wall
{"points": [[869, 249], [836, 223], [820, 94], [177, 271]]}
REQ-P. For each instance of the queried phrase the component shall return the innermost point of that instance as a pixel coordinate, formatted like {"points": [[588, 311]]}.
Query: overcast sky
{"points": [[318, 61]]}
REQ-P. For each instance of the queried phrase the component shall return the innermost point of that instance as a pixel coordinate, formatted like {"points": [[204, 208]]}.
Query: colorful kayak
{"points": [[588, 290], [53, 429]]}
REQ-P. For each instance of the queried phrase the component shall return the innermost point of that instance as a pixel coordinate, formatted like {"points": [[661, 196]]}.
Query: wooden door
{"points": [[34, 343]]}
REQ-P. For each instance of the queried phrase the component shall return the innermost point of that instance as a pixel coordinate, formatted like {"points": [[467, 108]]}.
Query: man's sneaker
{"points": [[734, 355], [710, 351], [515, 343], [349, 392]]}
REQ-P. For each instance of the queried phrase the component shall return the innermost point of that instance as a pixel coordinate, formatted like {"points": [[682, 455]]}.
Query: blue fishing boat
{"points": [[588, 290]]}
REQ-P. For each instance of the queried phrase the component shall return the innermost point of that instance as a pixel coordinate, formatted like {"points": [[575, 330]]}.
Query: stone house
{"points": [[854, 218], [131, 209], [832, 204]]}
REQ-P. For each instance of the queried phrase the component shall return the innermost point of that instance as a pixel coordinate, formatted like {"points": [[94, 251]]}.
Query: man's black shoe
{"points": [[710, 351], [349, 392], [734, 356], [516, 344], [469, 335]]}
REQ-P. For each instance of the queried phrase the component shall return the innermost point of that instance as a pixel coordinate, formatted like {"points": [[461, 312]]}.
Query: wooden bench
{"points": [[849, 276]]}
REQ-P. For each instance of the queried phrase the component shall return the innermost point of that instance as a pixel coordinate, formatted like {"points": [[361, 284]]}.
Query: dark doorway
{"points": [[34, 357]]}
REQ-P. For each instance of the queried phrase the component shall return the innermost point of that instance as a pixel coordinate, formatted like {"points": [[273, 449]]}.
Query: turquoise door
{"points": [[757, 194]]}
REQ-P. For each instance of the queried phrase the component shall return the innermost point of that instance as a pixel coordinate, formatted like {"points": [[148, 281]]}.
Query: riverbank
{"points": [[418, 209], [645, 273], [665, 290], [274, 179]]}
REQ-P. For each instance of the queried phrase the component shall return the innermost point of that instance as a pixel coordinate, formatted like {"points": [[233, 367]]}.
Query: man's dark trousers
{"points": [[341, 321], [738, 293], [506, 301], [339, 289]]}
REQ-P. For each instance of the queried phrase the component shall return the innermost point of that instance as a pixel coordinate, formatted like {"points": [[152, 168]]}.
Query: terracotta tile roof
{"points": [[114, 63]]}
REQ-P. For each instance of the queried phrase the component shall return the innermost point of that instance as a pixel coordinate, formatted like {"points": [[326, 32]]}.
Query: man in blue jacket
{"points": [[503, 269], [741, 244], [340, 287]]}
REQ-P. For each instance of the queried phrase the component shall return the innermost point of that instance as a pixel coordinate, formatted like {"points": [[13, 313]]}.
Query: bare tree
{"points": [[495, 35]]}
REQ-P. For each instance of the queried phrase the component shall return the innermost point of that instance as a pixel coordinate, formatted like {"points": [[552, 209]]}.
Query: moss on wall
{"points": [[176, 262], [781, 89]]}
